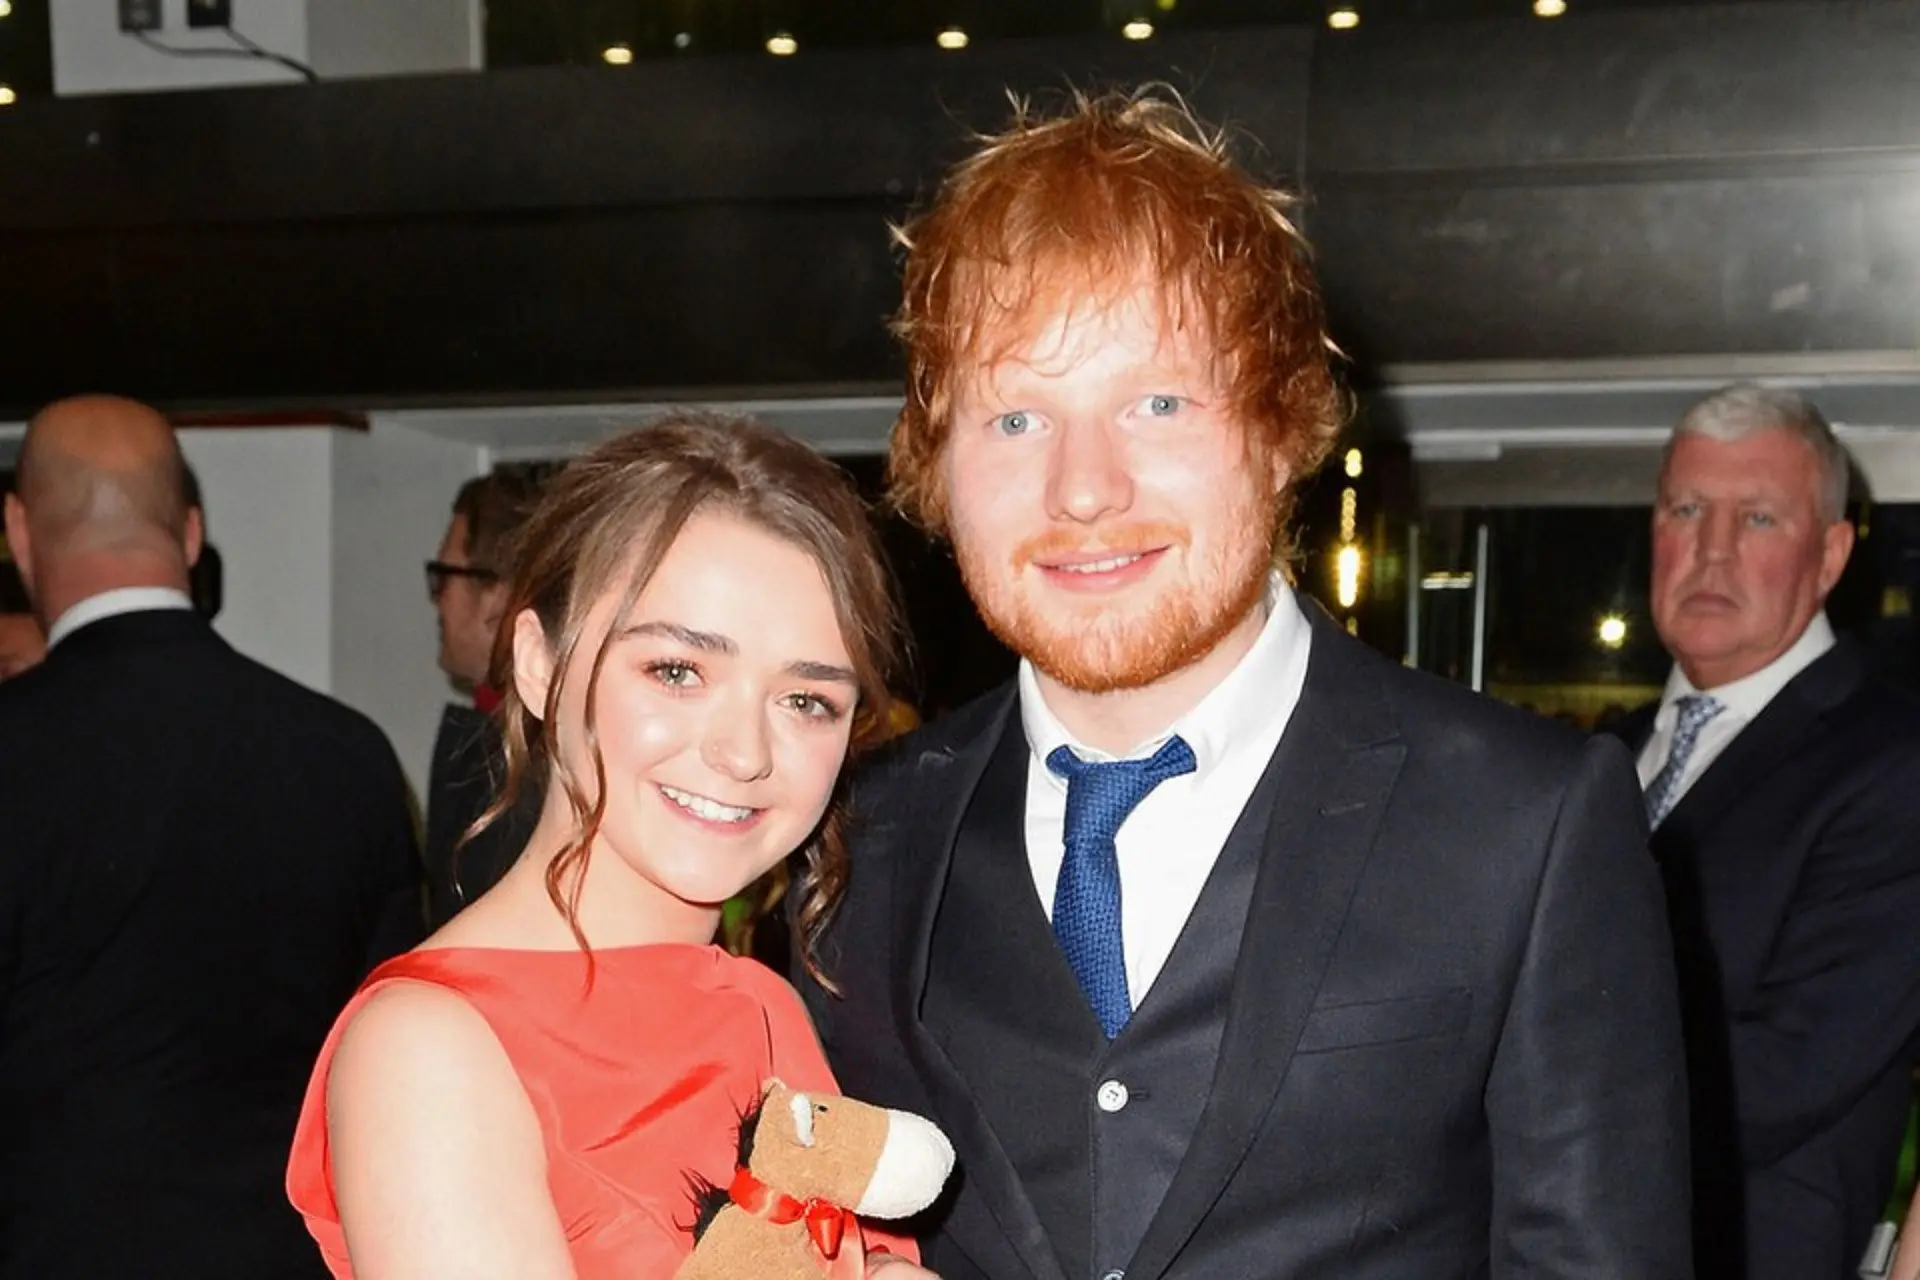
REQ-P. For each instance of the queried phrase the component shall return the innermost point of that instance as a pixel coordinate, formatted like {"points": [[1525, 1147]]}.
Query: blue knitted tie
{"points": [[1086, 900], [1664, 791]]}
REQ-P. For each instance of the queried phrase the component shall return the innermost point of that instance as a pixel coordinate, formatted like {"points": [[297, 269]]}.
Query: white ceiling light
{"points": [[951, 38], [1138, 29]]}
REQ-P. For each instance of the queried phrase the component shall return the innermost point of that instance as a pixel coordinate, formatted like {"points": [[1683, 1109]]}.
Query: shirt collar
{"points": [[1748, 696], [1232, 711], [110, 604]]}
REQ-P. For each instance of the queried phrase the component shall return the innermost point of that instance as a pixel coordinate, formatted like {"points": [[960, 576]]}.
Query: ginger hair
{"points": [[1086, 203]]}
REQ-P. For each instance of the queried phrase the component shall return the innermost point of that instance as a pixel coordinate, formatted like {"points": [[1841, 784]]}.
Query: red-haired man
{"points": [[1222, 946]]}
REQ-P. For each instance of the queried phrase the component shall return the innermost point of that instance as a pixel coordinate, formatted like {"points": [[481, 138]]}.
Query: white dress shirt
{"points": [[110, 604], [1740, 701], [1169, 843]]}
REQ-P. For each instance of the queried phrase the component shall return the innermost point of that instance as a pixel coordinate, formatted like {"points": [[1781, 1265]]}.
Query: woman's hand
{"points": [[1906, 1262], [891, 1266]]}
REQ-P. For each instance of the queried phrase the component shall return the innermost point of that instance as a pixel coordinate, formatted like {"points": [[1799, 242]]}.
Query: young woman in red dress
{"points": [[700, 630]]}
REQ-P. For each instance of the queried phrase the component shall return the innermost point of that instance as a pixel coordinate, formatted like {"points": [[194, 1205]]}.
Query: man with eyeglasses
{"points": [[467, 582]]}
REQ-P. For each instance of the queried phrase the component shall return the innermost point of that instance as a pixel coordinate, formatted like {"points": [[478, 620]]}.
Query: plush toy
{"points": [[808, 1164]]}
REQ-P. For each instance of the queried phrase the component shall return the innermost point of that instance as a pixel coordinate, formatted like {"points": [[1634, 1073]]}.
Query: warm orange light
{"points": [[1346, 576]]}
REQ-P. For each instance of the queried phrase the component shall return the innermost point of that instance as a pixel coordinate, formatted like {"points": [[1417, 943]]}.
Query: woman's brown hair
{"points": [[616, 510]]}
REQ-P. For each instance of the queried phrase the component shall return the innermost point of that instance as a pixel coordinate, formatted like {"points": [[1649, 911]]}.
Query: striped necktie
{"points": [[1695, 709]]}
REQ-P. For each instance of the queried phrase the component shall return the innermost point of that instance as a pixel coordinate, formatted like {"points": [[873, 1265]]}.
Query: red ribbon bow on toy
{"points": [[829, 1226]]}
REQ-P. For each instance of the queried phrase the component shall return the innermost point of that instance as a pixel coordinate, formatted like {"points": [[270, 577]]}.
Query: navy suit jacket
{"points": [[1452, 1045], [1792, 868], [199, 861]]}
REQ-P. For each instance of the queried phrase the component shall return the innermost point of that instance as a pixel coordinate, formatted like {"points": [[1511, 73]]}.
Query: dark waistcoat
{"points": [[1095, 1130]]}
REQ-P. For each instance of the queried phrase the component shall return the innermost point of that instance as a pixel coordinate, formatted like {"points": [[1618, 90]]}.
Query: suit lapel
{"points": [[1338, 761], [1775, 735], [944, 780]]}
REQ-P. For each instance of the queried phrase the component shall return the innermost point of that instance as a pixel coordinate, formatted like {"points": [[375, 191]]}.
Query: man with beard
{"points": [[1783, 783], [1220, 945]]}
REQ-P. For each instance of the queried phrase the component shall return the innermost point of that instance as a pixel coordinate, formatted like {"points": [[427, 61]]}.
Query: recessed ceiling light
{"points": [[6, 8], [1343, 17], [951, 38], [782, 45], [618, 55], [682, 39], [1549, 8], [7, 96], [1138, 29]]}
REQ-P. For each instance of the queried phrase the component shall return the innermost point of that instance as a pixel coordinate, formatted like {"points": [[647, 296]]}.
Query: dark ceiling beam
{"points": [[1641, 184]]}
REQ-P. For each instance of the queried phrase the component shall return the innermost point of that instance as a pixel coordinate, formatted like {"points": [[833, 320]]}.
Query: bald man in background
{"points": [[199, 859]]}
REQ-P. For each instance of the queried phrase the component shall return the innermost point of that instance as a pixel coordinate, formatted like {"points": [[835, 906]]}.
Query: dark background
{"points": [[1630, 182]]}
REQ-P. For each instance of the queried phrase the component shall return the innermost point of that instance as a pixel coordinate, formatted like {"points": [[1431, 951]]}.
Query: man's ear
{"points": [[532, 663], [1836, 548], [1282, 474], [195, 539], [493, 605], [18, 543]]}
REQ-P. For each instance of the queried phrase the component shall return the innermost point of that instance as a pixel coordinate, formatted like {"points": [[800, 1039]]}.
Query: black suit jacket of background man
{"points": [[469, 767], [1793, 875], [196, 857], [1440, 1040]]}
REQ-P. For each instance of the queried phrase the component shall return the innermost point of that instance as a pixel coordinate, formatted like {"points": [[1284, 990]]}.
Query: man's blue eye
{"points": [[1017, 423]]}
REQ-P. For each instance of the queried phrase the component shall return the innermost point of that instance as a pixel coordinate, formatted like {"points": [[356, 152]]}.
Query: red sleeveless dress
{"points": [[638, 1082]]}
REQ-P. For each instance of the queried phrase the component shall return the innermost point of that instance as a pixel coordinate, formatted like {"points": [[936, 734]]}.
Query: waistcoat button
{"points": [[1112, 1096]]}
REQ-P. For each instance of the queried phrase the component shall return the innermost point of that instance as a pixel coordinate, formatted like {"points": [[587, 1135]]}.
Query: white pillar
{"points": [[392, 497], [269, 508]]}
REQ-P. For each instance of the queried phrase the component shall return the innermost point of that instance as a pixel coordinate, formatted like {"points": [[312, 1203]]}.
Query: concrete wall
{"points": [[394, 37], [339, 39], [92, 55], [323, 534], [392, 488], [269, 506]]}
